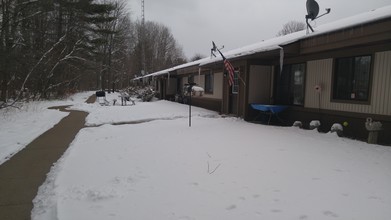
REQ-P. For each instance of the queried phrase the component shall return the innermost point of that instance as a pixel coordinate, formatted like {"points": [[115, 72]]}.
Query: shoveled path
{"points": [[25, 172]]}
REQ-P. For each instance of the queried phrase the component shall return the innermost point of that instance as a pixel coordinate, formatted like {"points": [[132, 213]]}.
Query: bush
{"points": [[146, 94]]}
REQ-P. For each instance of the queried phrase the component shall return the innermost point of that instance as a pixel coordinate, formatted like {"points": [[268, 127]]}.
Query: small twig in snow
{"points": [[214, 170]]}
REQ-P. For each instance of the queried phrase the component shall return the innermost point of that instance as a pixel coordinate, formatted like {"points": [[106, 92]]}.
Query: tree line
{"points": [[54, 47]]}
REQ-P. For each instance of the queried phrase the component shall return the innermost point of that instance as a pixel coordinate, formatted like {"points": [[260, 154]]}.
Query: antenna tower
{"points": [[142, 11], [143, 71]]}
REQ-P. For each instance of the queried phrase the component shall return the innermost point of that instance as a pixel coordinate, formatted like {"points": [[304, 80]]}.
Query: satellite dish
{"points": [[213, 50], [312, 9]]}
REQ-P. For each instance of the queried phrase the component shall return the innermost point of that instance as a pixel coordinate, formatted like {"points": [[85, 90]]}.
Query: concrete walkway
{"points": [[24, 173]]}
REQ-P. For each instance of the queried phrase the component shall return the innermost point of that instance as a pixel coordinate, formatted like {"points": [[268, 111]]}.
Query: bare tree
{"points": [[47, 46], [161, 48], [197, 56], [15, 17], [291, 27], [52, 47]]}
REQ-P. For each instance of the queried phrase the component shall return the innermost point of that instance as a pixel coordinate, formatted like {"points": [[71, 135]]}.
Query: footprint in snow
{"points": [[330, 214], [255, 196], [338, 170], [185, 218], [231, 207]]}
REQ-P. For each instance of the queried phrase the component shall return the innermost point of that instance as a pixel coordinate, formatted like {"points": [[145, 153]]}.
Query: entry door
{"points": [[162, 89], [234, 95]]}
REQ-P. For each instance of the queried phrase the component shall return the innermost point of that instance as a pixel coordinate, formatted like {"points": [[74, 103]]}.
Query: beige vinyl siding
{"points": [[320, 72], [200, 80], [381, 86], [184, 81]]}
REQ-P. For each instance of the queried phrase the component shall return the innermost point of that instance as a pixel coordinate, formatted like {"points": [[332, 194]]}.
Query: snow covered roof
{"points": [[277, 42], [166, 71]]}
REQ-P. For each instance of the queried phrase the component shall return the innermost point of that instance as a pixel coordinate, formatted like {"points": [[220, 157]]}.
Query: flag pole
{"points": [[242, 80]]}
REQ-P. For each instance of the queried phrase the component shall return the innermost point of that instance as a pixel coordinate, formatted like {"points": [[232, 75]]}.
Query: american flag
{"points": [[228, 66], [231, 70]]}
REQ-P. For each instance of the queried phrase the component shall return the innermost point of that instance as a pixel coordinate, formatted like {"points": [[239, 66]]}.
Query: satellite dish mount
{"points": [[313, 11], [215, 49]]}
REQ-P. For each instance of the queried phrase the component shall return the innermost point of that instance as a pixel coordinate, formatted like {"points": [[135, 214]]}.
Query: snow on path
{"points": [[221, 168], [18, 127]]}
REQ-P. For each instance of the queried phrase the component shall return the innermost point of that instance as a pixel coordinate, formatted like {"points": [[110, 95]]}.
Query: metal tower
{"points": [[143, 70], [142, 11]]}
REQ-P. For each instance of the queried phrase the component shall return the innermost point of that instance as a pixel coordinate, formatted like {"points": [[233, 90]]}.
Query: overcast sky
{"points": [[237, 23]]}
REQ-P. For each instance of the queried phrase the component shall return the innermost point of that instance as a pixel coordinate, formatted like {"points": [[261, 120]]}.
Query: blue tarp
{"points": [[269, 108]]}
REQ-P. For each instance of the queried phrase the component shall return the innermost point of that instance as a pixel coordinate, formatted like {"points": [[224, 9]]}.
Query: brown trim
{"points": [[342, 113], [206, 98], [352, 36], [341, 52], [208, 103], [187, 70], [242, 90]]}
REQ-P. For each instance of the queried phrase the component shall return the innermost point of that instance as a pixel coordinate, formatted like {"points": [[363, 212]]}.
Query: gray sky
{"points": [[237, 23]]}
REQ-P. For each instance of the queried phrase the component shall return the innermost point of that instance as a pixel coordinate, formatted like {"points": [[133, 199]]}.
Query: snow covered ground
{"points": [[157, 167], [18, 127], [220, 168], [140, 112]]}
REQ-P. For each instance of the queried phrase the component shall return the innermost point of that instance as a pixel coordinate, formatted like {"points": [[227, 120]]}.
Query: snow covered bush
{"points": [[297, 124], [337, 128], [146, 94], [315, 124], [132, 91]]}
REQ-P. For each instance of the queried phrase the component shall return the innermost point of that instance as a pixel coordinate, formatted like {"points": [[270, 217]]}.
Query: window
{"points": [[190, 79], [235, 86], [351, 78], [209, 83], [290, 85]]}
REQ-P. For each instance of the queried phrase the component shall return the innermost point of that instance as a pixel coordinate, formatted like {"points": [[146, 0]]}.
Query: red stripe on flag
{"points": [[231, 70]]}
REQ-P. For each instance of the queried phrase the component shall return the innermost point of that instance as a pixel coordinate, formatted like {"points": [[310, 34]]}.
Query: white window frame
{"points": [[235, 86]]}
